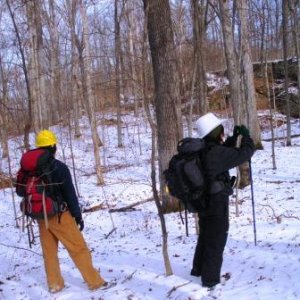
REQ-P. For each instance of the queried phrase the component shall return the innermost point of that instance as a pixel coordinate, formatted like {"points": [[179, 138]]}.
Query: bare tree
{"points": [[85, 67], [55, 92], [294, 7], [75, 86], [285, 65], [3, 111], [166, 79], [248, 76], [166, 85], [199, 9], [37, 66], [28, 121], [118, 74], [233, 71]]}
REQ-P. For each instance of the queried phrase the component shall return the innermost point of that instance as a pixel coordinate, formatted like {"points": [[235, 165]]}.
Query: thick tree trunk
{"points": [[233, 72], [166, 80], [199, 37], [247, 71], [167, 99]]}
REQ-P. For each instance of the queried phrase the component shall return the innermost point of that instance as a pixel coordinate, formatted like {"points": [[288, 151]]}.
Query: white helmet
{"points": [[207, 123]]}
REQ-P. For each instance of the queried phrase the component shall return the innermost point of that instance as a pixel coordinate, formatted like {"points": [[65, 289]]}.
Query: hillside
{"points": [[126, 246]]}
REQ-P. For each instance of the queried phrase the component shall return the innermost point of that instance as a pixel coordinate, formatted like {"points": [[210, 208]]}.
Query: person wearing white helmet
{"points": [[220, 156]]}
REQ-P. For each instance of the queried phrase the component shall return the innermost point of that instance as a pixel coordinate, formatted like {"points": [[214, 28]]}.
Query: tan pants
{"points": [[67, 232]]}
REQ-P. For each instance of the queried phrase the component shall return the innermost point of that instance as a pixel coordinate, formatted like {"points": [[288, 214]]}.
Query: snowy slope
{"points": [[132, 254]]}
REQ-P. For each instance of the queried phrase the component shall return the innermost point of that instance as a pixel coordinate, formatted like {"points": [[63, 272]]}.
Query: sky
{"points": [[127, 246]]}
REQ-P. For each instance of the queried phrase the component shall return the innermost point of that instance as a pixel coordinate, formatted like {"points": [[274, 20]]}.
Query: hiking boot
{"points": [[215, 292], [108, 285], [103, 286], [225, 277], [55, 288], [195, 272], [209, 284]]}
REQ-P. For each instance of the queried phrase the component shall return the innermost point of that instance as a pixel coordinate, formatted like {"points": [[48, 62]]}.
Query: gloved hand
{"points": [[244, 131], [79, 223], [236, 130], [232, 181]]}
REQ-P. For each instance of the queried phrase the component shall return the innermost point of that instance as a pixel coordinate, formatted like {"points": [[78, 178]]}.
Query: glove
{"points": [[232, 181], [79, 223], [236, 130], [244, 131]]}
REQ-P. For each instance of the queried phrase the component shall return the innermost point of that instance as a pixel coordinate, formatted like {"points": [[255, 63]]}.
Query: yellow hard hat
{"points": [[45, 138]]}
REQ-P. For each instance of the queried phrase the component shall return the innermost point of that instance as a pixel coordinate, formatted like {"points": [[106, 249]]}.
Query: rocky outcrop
{"points": [[219, 98]]}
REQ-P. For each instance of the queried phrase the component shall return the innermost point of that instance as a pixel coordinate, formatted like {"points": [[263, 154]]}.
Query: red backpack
{"points": [[35, 186]]}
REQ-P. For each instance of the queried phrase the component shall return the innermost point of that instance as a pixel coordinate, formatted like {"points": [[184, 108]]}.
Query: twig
{"points": [[20, 248], [113, 230], [278, 218], [129, 277], [174, 288], [129, 207], [93, 208], [280, 138]]}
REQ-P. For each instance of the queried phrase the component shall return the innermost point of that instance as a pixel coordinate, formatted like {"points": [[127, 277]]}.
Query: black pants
{"points": [[212, 239]]}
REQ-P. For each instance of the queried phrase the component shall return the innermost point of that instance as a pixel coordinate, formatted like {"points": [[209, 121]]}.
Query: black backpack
{"points": [[185, 175]]}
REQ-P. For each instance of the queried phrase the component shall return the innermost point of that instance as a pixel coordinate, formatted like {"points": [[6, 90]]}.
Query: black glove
{"points": [[244, 131], [236, 130], [232, 181], [79, 223]]}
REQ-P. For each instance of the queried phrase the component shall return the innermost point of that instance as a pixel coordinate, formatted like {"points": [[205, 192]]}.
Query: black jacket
{"points": [[61, 175], [219, 159]]}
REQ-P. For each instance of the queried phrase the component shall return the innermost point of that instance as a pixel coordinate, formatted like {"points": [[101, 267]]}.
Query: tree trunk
{"points": [[28, 120], [132, 60], [233, 72], [166, 81], [199, 38], [3, 113], [85, 66], [294, 8], [55, 87], [76, 94], [285, 66], [37, 68], [247, 71], [118, 75], [160, 209]]}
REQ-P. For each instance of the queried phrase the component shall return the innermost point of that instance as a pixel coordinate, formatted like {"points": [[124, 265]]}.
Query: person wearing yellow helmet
{"points": [[66, 227], [45, 138]]}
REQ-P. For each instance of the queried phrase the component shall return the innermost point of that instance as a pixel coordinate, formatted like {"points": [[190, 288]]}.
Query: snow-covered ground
{"points": [[131, 255]]}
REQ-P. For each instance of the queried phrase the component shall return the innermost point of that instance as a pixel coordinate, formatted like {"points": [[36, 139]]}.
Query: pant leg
{"points": [[214, 236], [198, 255], [69, 235], [49, 245]]}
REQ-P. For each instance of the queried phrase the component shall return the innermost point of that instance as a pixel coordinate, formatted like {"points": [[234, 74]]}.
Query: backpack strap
{"points": [[44, 206], [53, 188]]}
